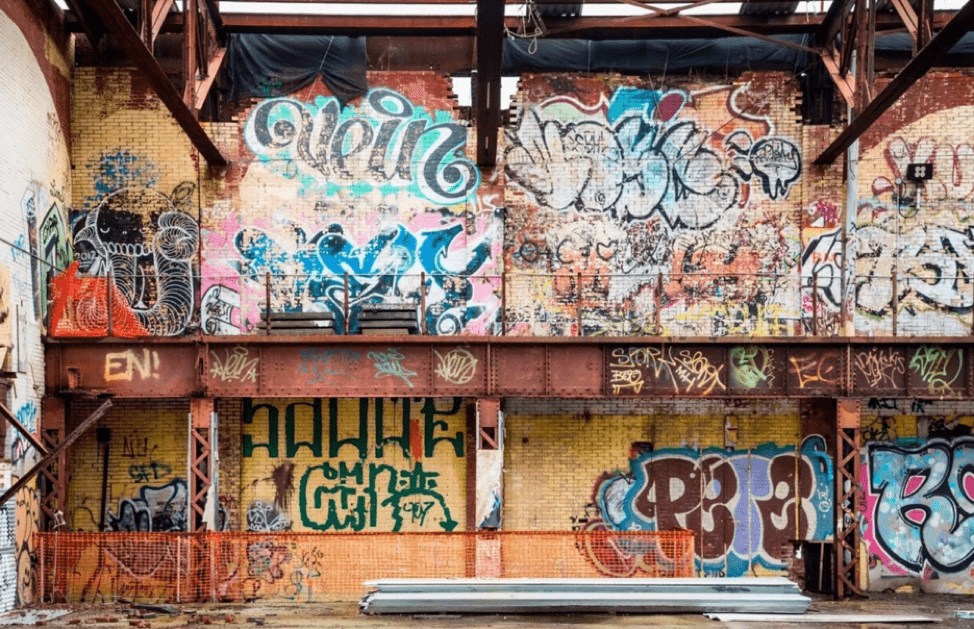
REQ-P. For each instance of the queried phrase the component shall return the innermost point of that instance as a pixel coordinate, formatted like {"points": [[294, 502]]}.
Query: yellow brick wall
{"points": [[147, 467], [553, 462], [296, 479]]}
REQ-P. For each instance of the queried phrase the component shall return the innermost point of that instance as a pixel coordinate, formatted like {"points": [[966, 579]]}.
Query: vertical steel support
{"points": [[200, 463], [847, 499], [190, 52], [53, 481]]}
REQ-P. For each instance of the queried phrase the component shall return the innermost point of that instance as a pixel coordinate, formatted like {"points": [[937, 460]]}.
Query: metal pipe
{"points": [[815, 303], [345, 305], [503, 303], [267, 302], [578, 305], [422, 303], [110, 281], [896, 301]]}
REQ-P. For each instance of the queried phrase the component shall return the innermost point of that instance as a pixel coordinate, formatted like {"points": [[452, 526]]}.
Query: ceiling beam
{"points": [[490, 62], [916, 68], [135, 48], [87, 19], [832, 22]]}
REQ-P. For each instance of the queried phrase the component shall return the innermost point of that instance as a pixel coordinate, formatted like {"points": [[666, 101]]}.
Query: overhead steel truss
{"points": [[844, 38]]}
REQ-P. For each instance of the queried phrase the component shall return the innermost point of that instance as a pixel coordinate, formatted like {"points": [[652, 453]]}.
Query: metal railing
{"points": [[565, 303]]}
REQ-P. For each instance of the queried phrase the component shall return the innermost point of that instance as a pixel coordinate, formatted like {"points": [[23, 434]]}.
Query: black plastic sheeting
{"points": [[726, 54], [275, 65]]}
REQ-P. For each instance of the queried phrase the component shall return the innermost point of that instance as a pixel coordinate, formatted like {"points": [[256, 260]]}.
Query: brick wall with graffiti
{"points": [[641, 209], [916, 230], [918, 493], [351, 465], [134, 217], [381, 195], [741, 476], [35, 191], [128, 472]]}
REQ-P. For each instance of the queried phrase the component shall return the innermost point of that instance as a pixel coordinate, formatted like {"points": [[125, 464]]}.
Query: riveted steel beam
{"points": [[550, 367]]}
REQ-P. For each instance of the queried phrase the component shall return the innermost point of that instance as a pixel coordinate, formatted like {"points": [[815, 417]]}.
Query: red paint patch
{"points": [[913, 485], [669, 106], [968, 485], [915, 515]]}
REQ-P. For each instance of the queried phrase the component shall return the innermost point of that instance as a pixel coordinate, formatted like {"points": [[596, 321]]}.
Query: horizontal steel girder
{"points": [[414, 366]]}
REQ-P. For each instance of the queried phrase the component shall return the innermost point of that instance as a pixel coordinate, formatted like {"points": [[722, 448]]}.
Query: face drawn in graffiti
{"points": [[156, 509], [149, 246], [920, 505], [741, 504]]}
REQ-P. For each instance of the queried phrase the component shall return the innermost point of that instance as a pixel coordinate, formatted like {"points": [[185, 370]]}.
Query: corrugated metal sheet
{"points": [[518, 596]]}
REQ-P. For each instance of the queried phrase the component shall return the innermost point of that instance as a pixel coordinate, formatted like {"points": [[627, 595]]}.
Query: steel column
{"points": [[53, 483], [200, 462], [847, 499]]}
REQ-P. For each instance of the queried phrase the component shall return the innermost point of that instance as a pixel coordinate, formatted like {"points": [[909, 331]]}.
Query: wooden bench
{"points": [[297, 323], [379, 319]]}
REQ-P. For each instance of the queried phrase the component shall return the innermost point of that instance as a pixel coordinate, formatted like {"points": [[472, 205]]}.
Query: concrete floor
{"points": [[345, 615]]}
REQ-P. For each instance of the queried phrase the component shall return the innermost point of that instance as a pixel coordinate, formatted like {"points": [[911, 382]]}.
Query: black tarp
{"points": [[275, 65]]}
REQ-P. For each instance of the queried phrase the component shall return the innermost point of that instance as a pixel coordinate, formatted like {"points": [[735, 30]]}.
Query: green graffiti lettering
{"points": [[290, 421], [249, 412], [430, 413]]}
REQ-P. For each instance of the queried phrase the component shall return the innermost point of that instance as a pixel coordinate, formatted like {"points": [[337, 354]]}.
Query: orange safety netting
{"points": [[185, 567]]}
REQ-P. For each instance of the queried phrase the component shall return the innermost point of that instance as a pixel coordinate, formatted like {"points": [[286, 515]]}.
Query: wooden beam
{"points": [[47, 458], [26, 434], [140, 55], [490, 60], [916, 68]]}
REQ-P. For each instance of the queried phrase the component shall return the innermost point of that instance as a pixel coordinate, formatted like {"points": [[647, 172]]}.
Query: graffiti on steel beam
{"points": [[816, 370], [130, 364], [752, 367], [390, 364], [319, 364], [388, 143], [743, 505], [920, 505], [940, 369], [682, 371], [457, 366], [235, 365], [879, 367]]}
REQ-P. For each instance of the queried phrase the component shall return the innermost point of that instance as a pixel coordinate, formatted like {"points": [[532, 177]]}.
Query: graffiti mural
{"points": [[743, 505], [142, 239], [48, 243], [920, 506], [354, 465], [386, 269], [359, 205], [160, 508], [636, 191]]}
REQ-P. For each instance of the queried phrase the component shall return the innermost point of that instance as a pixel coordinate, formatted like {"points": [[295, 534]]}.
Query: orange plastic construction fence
{"points": [[187, 567]]}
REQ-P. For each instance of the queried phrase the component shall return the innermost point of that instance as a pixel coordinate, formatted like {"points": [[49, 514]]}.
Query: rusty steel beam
{"points": [[87, 19], [53, 452], [490, 61], [26, 434], [473, 367], [142, 57], [916, 68]]}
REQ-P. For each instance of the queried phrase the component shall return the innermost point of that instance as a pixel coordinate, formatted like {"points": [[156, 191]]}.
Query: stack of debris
{"points": [[388, 319], [521, 596]]}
